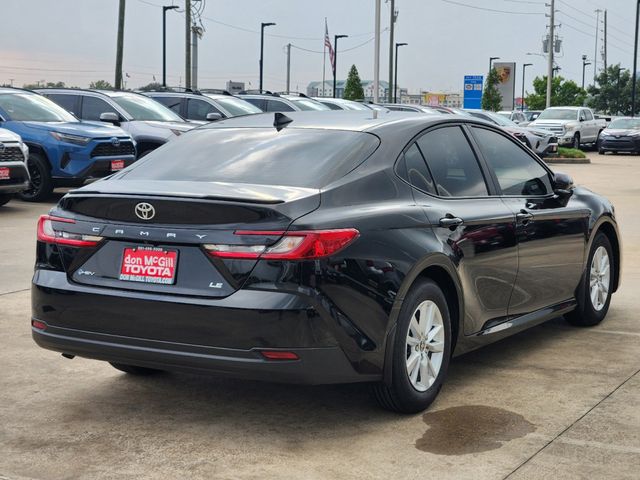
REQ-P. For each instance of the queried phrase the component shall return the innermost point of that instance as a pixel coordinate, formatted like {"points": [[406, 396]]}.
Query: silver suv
{"points": [[150, 123], [204, 105], [282, 102], [14, 176]]}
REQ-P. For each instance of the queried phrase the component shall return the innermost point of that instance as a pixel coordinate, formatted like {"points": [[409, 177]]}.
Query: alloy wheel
{"points": [[599, 278], [425, 345]]}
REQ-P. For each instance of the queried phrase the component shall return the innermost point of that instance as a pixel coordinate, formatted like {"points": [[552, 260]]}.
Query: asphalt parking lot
{"points": [[553, 402]]}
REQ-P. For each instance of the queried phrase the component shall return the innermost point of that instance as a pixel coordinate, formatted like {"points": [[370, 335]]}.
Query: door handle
{"points": [[523, 217], [449, 221]]}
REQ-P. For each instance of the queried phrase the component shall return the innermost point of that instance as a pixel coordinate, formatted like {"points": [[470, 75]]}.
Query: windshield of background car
{"points": [[504, 114], [354, 106], [304, 157], [305, 104], [558, 114], [530, 116], [237, 106], [29, 107], [146, 109], [624, 124], [500, 120]]}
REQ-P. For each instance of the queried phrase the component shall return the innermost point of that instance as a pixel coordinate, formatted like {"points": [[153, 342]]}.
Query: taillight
{"points": [[48, 234], [301, 245]]}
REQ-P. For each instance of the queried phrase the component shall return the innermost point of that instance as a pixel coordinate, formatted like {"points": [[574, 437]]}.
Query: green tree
{"points": [[612, 92], [152, 86], [491, 98], [43, 84], [353, 89], [564, 93], [101, 85]]}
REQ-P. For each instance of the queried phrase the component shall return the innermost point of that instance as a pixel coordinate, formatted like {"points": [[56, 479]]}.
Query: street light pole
{"points": [[335, 60], [584, 65], [262, 26], [491, 59], [395, 79], [164, 42], [524, 67], [635, 63]]}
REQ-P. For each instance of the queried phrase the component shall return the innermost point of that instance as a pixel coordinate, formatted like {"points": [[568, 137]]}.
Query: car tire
{"points": [[41, 183], [419, 349], [5, 198], [601, 268], [576, 141], [134, 369], [601, 151]]}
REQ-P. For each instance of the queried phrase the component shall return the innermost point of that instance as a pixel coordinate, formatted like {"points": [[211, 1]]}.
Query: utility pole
{"points": [[524, 68], [187, 44], [196, 33], [288, 67], [584, 64], [335, 61], [263, 25], [120, 45], [605, 40], [376, 58], [552, 17], [635, 63], [392, 22], [164, 42], [395, 80], [595, 54]]}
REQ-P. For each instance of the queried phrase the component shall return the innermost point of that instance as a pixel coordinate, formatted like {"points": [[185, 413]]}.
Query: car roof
{"points": [[351, 120], [108, 93], [185, 94]]}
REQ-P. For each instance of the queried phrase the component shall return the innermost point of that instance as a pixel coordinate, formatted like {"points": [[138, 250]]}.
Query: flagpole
{"points": [[324, 56]]}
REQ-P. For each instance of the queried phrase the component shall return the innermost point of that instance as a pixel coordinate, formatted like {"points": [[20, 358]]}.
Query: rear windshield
{"points": [[305, 158]]}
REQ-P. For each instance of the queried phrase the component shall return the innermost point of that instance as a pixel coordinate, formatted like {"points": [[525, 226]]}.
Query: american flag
{"points": [[327, 44]]}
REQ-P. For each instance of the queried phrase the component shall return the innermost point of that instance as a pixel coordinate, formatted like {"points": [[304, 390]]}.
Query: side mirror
{"points": [[212, 117], [562, 184], [110, 117], [582, 119]]}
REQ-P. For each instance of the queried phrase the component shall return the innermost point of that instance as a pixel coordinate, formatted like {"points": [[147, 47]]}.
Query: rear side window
{"points": [[170, 102], [452, 162], [292, 157], [332, 106], [93, 107], [68, 102], [258, 102], [517, 173], [417, 173]]}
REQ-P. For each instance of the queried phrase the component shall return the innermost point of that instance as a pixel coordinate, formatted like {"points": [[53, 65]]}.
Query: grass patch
{"points": [[570, 153]]}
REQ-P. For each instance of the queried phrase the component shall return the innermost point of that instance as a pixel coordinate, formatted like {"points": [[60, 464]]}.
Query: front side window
{"points": [[278, 106], [144, 108], [66, 101], [198, 109], [30, 107], [93, 107], [587, 115], [517, 172], [453, 164], [170, 102]]}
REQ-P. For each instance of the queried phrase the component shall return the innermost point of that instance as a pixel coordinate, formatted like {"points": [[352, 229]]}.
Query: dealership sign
{"points": [[506, 83], [473, 91]]}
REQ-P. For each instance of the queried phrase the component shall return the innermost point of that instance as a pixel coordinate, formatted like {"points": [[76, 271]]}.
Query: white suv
{"points": [[14, 176]]}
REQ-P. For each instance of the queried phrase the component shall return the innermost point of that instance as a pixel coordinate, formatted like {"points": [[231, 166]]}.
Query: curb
{"points": [[566, 160]]}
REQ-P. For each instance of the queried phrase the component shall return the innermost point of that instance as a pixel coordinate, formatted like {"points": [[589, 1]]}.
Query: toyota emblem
{"points": [[2, 147], [145, 211], [115, 141]]}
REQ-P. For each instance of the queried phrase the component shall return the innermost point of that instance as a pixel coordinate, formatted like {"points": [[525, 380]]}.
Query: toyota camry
{"points": [[334, 248]]}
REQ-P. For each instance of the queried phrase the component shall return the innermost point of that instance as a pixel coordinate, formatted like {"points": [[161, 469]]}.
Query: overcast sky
{"points": [[74, 40]]}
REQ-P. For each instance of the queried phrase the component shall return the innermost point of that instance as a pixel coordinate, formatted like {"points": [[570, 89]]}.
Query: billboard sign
{"points": [[472, 92], [506, 83]]}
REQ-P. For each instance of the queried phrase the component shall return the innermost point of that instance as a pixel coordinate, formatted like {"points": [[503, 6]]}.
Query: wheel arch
{"points": [[611, 232], [439, 268], [39, 149]]}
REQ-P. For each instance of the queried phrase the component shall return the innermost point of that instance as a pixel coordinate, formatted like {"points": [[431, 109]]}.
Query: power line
{"points": [[341, 50], [492, 10]]}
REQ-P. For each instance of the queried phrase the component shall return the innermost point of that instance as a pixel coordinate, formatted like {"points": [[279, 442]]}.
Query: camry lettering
{"points": [[200, 236], [119, 232], [146, 234], [171, 235]]}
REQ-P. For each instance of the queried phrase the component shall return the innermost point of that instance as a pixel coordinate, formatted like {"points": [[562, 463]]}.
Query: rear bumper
{"points": [[315, 365], [221, 336]]}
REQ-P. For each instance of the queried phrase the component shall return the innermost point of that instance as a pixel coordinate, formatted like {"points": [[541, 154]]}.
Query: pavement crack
{"points": [[571, 425], [9, 293]]}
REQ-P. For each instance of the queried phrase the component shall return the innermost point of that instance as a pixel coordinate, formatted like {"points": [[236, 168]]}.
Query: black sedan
{"points": [[307, 248], [621, 135]]}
